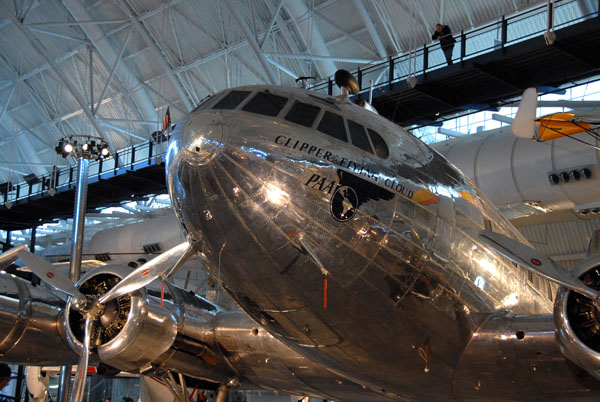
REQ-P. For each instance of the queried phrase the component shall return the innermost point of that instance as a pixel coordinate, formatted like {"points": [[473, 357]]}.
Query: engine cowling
{"points": [[577, 319], [31, 324], [138, 333]]}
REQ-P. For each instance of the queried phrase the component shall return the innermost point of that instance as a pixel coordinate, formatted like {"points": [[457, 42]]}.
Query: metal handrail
{"points": [[139, 155], [532, 22], [507, 31]]}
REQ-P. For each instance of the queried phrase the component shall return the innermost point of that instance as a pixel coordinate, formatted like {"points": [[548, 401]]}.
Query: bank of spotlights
{"points": [[79, 146]]}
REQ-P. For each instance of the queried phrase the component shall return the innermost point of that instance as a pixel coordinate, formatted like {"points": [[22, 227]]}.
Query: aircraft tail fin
{"points": [[524, 124]]}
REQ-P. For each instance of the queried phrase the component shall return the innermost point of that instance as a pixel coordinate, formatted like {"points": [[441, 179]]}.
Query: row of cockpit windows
{"points": [[305, 114]]}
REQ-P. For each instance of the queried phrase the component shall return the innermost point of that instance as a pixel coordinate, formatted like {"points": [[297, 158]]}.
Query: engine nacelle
{"points": [[137, 333], [577, 319], [31, 330]]}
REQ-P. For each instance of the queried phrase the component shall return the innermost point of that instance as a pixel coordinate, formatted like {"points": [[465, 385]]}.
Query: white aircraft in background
{"points": [[363, 260], [537, 165]]}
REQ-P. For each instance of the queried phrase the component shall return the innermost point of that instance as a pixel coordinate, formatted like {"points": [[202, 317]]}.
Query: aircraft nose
{"points": [[202, 138]]}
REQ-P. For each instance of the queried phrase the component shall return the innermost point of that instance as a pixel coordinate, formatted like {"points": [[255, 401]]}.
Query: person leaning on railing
{"points": [[447, 41]]}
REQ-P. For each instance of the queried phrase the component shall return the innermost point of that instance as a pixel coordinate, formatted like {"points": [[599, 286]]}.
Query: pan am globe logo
{"points": [[344, 204]]}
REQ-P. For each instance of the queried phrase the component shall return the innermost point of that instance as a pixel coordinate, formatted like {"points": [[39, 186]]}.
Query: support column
{"points": [[222, 394], [32, 239], [64, 383], [6, 245], [79, 219], [76, 251], [19, 385]]}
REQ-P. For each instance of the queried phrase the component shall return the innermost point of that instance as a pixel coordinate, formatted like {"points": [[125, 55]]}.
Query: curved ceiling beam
{"points": [[109, 54], [44, 53], [366, 18], [272, 78], [141, 29], [33, 98], [298, 11], [9, 124], [386, 36]]}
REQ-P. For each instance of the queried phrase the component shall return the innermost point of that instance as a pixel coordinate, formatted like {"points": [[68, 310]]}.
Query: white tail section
{"points": [[524, 123]]}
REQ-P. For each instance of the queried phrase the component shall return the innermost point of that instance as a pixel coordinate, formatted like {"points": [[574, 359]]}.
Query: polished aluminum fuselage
{"points": [[408, 280]]}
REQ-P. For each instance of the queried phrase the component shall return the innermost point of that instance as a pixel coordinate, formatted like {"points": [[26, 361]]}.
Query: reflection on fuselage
{"points": [[283, 200]]}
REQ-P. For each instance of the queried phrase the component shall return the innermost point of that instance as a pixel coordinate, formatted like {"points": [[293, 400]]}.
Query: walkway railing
{"points": [[64, 178], [497, 35], [505, 32]]}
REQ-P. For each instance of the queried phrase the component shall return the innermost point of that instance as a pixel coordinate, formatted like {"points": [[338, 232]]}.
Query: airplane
{"points": [[524, 174], [367, 267]]}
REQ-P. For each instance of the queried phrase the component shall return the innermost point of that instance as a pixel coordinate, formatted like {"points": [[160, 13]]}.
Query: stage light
{"points": [[82, 146]]}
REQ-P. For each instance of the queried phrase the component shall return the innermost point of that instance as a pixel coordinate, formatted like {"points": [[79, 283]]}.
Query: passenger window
{"points": [[303, 114], [333, 125], [381, 148], [265, 103], [232, 100], [359, 137]]}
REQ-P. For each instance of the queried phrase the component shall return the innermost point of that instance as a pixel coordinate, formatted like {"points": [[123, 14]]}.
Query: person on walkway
{"points": [[447, 41]]}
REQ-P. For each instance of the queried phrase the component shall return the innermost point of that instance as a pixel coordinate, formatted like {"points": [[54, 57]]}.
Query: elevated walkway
{"points": [[140, 171], [492, 64]]}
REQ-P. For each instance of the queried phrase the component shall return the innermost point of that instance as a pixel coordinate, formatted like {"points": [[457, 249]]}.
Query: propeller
{"points": [[52, 276], [536, 262], [162, 266], [10, 256], [81, 375], [91, 308], [594, 244]]}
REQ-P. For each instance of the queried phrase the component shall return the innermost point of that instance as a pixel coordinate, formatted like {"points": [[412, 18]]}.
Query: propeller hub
{"points": [[79, 303], [96, 309], [108, 318]]}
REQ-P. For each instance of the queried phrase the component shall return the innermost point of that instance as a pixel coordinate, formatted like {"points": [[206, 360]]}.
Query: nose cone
{"points": [[202, 137]]}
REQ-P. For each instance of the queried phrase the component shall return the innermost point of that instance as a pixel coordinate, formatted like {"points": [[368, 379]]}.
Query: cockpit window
{"points": [[303, 114], [206, 103], [359, 137], [333, 125], [232, 100], [325, 101], [381, 148], [265, 103]]}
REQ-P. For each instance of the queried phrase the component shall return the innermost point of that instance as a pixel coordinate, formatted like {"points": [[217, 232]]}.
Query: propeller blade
{"points": [[81, 375], [51, 275], [535, 262], [8, 258], [162, 266], [593, 245]]}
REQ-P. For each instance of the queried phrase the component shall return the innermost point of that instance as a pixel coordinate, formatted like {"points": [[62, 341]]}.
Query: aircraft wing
{"points": [[187, 335]]}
